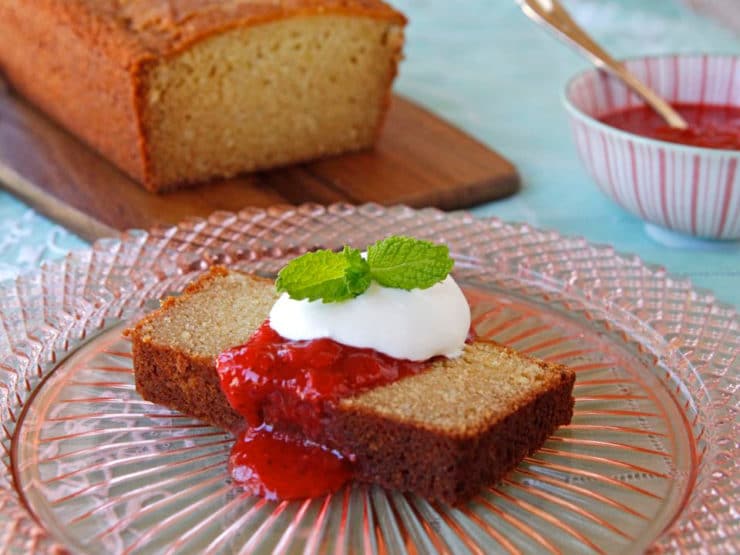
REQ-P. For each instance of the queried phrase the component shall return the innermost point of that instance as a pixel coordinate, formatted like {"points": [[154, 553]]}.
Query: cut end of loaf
{"points": [[268, 95]]}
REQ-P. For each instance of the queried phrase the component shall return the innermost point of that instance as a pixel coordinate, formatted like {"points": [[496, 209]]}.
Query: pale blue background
{"points": [[484, 66]]}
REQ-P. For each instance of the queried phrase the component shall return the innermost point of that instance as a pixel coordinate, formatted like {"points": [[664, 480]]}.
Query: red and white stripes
{"points": [[689, 189]]}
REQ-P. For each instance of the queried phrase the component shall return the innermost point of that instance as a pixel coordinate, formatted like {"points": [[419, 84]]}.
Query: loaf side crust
{"points": [[49, 53]]}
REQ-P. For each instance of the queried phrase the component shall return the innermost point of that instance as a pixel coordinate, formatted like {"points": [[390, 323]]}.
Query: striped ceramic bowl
{"points": [[688, 189]]}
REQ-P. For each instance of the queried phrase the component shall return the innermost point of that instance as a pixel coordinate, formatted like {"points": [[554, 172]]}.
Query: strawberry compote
{"points": [[275, 466], [291, 386], [709, 126]]}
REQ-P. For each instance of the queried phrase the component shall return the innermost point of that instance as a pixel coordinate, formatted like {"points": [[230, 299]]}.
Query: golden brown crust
{"points": [[167, 27], [132, 32], [408, 435]]}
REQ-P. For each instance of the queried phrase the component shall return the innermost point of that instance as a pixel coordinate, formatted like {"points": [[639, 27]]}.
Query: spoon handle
{"points": [[552, 13]]}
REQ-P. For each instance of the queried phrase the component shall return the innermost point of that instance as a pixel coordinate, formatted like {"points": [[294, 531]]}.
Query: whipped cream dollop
{"points": [[413, 325]]}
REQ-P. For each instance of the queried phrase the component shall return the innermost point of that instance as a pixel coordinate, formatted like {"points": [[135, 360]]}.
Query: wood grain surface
{"points": [[420, 160]]}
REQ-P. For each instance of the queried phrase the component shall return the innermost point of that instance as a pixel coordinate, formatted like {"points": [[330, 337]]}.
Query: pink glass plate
{"points": [[647, 463]]}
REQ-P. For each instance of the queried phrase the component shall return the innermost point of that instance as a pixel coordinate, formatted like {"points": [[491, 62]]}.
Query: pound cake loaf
{"points": [[443, 433], [181, 91]]}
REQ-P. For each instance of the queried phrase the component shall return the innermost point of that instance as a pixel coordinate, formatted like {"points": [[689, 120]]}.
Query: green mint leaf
{"points": [[315, 275], [357, 273], [408, 263], [330, 276]]}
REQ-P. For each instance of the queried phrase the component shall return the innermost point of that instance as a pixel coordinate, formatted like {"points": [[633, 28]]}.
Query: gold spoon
{"points": [[554, 15]]}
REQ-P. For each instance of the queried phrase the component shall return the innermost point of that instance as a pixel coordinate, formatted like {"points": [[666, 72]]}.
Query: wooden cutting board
{"points": [[420, 160]]}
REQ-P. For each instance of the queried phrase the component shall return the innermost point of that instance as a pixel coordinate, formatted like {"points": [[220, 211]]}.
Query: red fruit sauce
{"points": [[291, 386], [275, 466], [709, 126]]}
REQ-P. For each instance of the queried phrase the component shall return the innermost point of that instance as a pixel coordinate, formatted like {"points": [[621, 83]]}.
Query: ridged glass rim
{"points": [[38, 351]]}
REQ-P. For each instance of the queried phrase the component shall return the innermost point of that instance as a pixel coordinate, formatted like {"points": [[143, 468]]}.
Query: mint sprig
{"points": [[408, 263], [323, 274], [357, 274], [400, 262]]}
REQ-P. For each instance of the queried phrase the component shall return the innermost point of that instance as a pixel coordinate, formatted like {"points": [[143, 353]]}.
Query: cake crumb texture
{"points": [[268, 95], [218, 311], [465, 395]]}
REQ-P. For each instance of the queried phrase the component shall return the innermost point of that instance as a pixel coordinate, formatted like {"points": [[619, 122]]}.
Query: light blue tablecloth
{"points": [[484, 66]]}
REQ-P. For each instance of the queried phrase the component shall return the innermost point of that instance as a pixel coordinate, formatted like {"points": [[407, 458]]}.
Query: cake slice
{"points": [[443, 433]]}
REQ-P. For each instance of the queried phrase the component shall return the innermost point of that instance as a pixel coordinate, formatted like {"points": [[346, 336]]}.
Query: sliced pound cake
{"points": [[183, 91], [443, 433]]}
